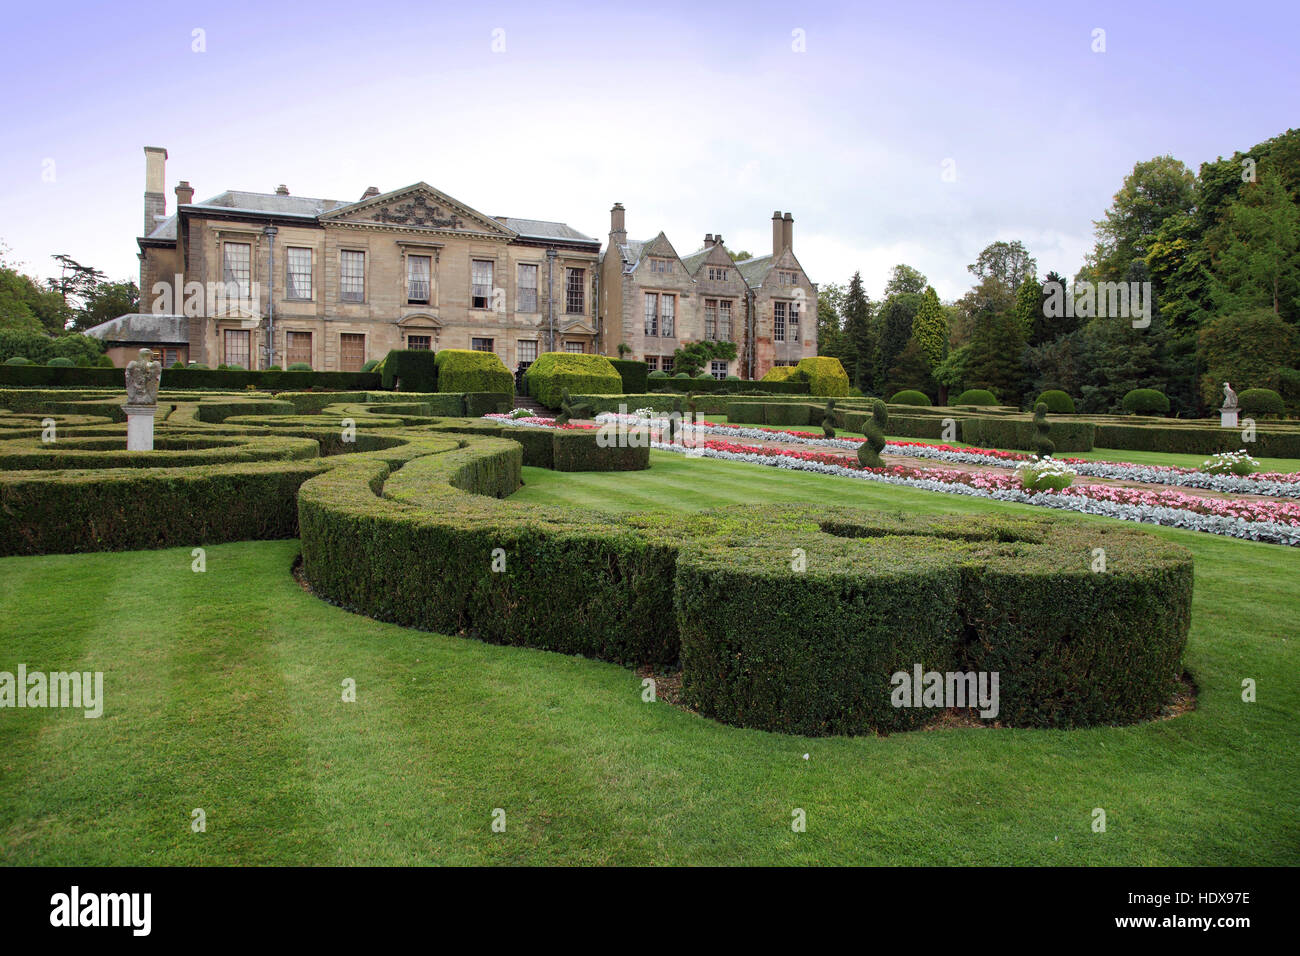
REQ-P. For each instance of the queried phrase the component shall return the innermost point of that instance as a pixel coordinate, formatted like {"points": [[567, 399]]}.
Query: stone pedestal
{"points": [[1228, 417], [139, 426]]}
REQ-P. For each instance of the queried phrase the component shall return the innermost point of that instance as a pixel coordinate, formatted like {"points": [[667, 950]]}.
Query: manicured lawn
{"points": [[223, 692]]}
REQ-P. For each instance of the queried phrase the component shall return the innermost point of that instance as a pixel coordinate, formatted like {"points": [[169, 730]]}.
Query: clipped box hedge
{"points": [[478, 404], [760, 645], [1018, 433], [579, 450], [633, 374], [465, 370], [1196, 439], [554, 372], [825, 376], [409, 370]]}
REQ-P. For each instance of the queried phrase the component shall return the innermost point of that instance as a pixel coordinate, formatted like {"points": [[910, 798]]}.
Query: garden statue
{"points": [[828, 419], [1043, 446], [1228, 413], [142, 377]]}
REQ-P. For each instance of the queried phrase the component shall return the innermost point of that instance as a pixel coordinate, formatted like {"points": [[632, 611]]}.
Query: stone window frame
{"points": [[352, 298], [779, 307], [290, 273], [425, 338], [521, 289], [244, 285], [427, 258], [474, 346], [519, 345], [575, 292], [473, 285]]}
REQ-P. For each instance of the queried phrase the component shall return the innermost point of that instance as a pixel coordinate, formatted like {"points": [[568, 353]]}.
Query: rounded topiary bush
{"points": [[975, 396], [1145, 401], [61, 361], [1262, 402], [176, 365], [825, 376], [910, 396], [658, 373], [104, 361], [703, 374], [1057, 402], [681, 375], [732, 378], [18, 360], [306, 366]]}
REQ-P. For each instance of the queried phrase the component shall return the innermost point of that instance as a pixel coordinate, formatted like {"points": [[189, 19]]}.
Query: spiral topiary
{"points": [[869, 451], [828, 419], [1043, 446], [880, 412]]}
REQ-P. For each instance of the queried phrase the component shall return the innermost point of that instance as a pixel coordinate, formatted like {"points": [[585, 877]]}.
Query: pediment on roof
{"points": [[418, 207]]}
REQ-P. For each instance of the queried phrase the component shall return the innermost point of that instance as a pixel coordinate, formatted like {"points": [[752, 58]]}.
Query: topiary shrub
{"points": [[581, 374], [176, 365], [368, 365], [634, 375], [1260, 402], [464, 370], [1057, 402], [18, 360], [570, 409], [910, 396], [779, 373], [1145, 401], [658, 373], [828, 419], [733, 378], [975, 396], [874, 430], [306, 366], [416, 370], [681, 375], [825, 376], [61, 361], [1043, 446]]}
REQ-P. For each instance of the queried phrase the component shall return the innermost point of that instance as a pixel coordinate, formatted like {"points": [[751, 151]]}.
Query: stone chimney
{"points": [[617, 226], [717, 240], [184, 193], [778, 233], [282, 190], [787, 232], [370, 191], [155, 200], [708, 240]]}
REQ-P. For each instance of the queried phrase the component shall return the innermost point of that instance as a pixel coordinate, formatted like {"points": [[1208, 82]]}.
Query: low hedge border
{"points": [[187, 378], [1018, 433], [760, 645], [170, 450]]}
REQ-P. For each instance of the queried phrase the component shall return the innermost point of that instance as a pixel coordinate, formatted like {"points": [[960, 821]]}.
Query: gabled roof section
{"points": [[418, 206]]}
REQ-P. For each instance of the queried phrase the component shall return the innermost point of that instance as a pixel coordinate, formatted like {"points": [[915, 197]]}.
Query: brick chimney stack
{"points": [[778, 233], [155, 200], [617, 226], [282, 190], [708, 240], [787, 231], [184, 193], [370, 191]]}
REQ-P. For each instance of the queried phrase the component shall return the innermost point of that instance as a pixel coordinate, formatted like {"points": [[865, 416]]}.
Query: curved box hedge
{"points": [[761, 645]]}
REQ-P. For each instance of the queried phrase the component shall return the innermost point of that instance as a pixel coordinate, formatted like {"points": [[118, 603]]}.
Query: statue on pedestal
{"points": [[142, 377], [1229, 396]]}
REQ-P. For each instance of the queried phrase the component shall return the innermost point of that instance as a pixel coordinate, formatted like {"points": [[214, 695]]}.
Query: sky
{"points": [[893, 132]]}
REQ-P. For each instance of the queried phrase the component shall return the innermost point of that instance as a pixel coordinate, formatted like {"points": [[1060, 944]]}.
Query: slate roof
{"points": [[542, 229], [755, 270], [143, 327], [303, 206]]}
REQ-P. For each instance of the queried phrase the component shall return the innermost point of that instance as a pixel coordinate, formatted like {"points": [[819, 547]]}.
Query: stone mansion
{"points": [[333, 284]]}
